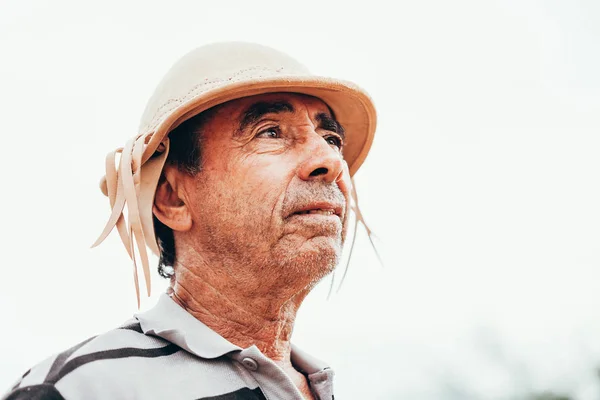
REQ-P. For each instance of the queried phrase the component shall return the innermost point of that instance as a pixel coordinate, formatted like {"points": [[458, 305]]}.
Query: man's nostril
{"points": [[319, 171]]}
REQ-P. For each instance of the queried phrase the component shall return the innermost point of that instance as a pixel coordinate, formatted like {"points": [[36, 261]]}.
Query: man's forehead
{"points": [[244, 112]]}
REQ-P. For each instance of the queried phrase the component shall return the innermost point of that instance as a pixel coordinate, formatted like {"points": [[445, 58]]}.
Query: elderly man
{"points": [[240, 180]]}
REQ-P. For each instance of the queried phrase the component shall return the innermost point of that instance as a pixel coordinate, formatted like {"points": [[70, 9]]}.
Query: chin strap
{"points": [[358, 218], [127, 183]]}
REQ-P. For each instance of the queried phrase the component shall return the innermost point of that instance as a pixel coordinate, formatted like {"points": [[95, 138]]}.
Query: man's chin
{"points": [[316, 258]]}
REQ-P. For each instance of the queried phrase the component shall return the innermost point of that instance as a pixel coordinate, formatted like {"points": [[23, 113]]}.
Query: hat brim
{"points": [[353, 108]]}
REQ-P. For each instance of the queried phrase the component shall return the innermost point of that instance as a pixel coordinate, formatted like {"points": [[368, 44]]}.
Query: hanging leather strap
{"points": [[131, 185]]}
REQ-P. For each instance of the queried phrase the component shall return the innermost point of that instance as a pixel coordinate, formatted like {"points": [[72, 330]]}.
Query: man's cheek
{"points": [[344, 182]]}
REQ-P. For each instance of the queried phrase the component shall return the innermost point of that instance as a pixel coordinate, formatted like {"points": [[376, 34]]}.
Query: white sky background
{"points": [[483, 183]]}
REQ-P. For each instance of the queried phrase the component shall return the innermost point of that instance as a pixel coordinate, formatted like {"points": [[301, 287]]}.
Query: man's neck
{"points": [[243, 318]]}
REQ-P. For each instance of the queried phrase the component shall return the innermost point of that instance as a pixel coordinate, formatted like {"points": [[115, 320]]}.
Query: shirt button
{"points": [[250, 364]]}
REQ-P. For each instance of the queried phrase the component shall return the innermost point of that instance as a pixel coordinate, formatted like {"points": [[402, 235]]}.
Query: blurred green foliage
{"points": [[549, 396]]}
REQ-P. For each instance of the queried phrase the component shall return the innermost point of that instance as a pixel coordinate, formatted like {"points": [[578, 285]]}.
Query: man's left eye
{"points": [[269, 133], [333, 140]]}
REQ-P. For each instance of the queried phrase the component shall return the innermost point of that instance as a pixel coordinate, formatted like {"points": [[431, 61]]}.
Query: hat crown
{"points": [[213, 66]]}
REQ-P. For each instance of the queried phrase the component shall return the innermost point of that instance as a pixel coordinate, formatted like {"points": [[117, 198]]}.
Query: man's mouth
{"points": [[319, 208], [319, 211]]}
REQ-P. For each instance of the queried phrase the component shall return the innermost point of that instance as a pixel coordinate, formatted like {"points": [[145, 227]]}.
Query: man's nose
{"points": [[323, 162]]}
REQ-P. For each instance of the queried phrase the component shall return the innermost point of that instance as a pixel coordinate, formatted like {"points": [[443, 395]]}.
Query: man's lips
{"points": [[319, 208]]}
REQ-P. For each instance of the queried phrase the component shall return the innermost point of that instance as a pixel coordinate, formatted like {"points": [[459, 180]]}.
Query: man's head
{"points": [[268, 149], [271, 191]]}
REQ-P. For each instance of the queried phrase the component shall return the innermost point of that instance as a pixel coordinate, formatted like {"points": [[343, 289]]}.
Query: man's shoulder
{"points": [[88, 360]]}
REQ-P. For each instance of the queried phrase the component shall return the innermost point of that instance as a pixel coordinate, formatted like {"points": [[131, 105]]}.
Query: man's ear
{"points": [[169, 200]]}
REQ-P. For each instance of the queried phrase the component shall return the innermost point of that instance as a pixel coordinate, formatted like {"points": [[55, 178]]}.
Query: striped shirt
{"points": [[166, 353]]}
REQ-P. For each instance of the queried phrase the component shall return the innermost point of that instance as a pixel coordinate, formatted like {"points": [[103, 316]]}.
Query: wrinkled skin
{"points": [[245, 260]]}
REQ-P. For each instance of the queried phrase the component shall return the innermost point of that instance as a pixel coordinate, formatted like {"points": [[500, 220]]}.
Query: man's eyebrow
{"points": [[257, 110], [329, 123]]}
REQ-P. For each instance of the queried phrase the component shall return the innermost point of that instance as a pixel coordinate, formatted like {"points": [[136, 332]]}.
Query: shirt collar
{"points": [[171, 322]]}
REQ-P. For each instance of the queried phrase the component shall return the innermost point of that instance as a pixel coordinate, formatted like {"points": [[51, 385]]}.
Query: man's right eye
{"points": [[269, 133]]}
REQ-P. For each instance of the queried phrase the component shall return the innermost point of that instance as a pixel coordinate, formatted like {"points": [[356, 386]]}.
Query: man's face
{"points": [[273, 189]]}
